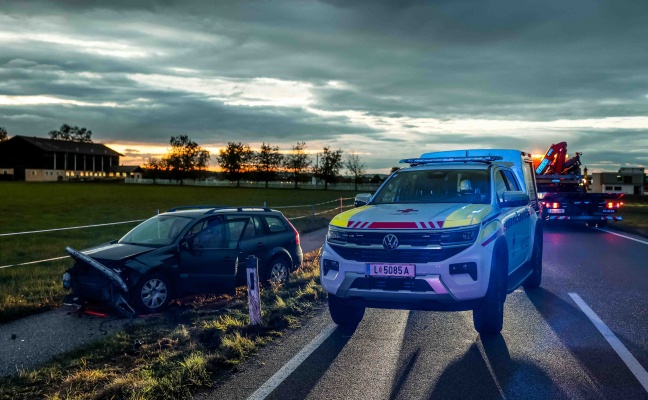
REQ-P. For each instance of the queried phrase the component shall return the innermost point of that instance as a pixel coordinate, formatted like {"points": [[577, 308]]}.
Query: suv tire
{"points": [[152, 293], [278, 270], [488, 316], [535, 279], [344, 313]]}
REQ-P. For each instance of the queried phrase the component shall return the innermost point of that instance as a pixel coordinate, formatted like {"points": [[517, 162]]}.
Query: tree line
{"points": [[187, 160]]}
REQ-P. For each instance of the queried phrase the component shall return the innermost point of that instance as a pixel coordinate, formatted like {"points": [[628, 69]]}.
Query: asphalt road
{"points": [[549, 348], [31, 341]]}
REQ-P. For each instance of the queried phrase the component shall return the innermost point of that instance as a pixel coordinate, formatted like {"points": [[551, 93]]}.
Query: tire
{"points": [[488, 316], [278, 270], [344, 313], [152, 293], [535, 279], [601, 224]]}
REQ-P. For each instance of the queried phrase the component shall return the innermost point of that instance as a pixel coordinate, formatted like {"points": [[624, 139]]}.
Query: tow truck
{"points": [[562, 189]]}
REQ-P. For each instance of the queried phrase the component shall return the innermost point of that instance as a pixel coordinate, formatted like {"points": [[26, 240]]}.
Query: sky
{"points": [[386, 80]]}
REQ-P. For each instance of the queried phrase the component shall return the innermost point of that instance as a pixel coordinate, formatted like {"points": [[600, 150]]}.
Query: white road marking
{"points": [[285, 371], [638, 371], [623, 236]]}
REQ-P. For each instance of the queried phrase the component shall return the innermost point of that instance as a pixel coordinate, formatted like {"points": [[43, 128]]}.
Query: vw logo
{"points": [[390, 242]]}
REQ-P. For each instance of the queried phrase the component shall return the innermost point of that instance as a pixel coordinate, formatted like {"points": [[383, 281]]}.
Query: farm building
{"points": [[32, 159]]}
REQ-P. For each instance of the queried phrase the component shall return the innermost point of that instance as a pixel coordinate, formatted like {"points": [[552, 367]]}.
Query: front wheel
{"points": [[152, 293], [488, 316], [344, 313]]}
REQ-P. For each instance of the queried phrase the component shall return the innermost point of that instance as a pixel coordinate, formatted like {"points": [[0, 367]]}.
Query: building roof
{"points": [[67, 146], [126, 168]]}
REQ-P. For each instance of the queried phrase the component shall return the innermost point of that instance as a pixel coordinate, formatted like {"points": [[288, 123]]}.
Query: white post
{"points": [[254, 300]]}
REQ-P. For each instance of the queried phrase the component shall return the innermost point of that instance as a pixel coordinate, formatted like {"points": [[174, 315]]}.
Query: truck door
{"points": [[522, 222], [510, 217]]}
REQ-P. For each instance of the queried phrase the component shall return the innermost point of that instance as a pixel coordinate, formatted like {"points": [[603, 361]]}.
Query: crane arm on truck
{"points": [[555, 161]]}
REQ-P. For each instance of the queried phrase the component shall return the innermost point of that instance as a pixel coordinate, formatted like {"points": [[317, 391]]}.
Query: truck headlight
{"points": [[337, 235], [459, 236]]}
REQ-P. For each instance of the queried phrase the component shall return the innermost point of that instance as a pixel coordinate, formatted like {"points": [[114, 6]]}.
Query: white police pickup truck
{"points": [[457, 230]]}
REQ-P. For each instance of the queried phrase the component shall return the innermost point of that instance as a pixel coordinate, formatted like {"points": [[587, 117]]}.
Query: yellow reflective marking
{"points": [[342, 220], [468, 215]]}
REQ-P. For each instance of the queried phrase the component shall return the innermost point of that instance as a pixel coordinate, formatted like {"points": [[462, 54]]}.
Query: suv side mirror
{"points": [[184, 245], [514, 198], [361, 199]]}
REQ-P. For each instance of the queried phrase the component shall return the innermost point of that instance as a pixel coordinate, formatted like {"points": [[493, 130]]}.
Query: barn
{"points": [[33, 159]]}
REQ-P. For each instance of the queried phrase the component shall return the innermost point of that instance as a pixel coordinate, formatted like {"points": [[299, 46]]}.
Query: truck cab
{"points": [[454, 231]]}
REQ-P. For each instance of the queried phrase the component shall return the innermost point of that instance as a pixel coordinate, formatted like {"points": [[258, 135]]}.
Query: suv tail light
{"points": [[296, 233]]}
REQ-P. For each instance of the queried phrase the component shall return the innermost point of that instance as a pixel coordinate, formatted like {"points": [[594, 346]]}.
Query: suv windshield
{"points": [[436, 186], [157, 231]]}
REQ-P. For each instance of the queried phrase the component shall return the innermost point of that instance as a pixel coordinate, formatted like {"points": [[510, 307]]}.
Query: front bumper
{"points": [[433, 287]]}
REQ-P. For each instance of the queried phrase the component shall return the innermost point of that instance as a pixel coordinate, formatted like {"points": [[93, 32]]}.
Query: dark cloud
{"points": [[376, 72]]}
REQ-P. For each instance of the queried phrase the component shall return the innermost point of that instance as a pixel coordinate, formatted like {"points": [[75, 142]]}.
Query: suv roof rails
{"points": [[439, 160], [240, 209], [197, 207]]}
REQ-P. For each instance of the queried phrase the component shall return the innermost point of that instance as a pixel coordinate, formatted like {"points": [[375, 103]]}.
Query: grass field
{"points": [[33, 288]]}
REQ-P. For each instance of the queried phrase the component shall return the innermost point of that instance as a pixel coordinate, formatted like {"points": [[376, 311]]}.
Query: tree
{"points": [[235, 160], [268, 161], [3, 134], [72, 133], [156, 168], [186, 159], [297, 161], [329, 168], [356, 167]]}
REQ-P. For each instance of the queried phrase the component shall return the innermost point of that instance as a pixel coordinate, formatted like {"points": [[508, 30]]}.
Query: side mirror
{"points": [[514, 198], [184, 245], [361, 199]]}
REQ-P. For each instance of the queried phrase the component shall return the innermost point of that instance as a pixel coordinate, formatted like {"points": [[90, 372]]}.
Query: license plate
{"points": [[395, 270], [556, 211]]}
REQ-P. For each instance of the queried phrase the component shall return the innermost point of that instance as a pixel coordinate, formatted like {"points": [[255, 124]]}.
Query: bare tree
{"points": [[3, 134], [156, 168], [297, 161], [72, 133], [235, 160], [356, 167], [268, 161], [329, 168]]}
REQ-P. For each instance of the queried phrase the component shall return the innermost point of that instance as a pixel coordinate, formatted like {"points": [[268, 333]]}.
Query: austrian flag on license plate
{"points": [[398, 270]]}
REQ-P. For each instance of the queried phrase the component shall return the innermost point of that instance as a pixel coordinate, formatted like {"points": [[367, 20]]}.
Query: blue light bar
{"points": [[437, 160]]}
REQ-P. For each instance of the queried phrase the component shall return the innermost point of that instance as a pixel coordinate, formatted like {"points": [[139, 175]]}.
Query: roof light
{"points": [[433, 160]]}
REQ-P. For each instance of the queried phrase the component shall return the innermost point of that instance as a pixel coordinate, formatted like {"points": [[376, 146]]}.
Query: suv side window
{"points": [[512, 183], [275, 224], [254, 228], [500, 185]]}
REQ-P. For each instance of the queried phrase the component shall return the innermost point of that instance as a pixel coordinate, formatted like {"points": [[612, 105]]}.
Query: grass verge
{"points": [[635, 216], [171, 355]]}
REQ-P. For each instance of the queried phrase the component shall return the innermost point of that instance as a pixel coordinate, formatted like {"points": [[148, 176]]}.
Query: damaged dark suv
{"points": [[185, 250]]}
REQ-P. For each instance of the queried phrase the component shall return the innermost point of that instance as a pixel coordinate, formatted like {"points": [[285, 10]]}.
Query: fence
{"points": [[364, 187], [339, 206]]}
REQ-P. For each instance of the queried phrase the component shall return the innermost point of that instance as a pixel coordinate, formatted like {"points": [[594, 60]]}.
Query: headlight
{"points": [[336, 235], [67, 280], [460, 236]]}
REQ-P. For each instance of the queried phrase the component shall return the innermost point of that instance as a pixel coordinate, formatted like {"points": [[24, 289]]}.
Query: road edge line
{"points": [[623, 236], [285, 371], [630, 361]]}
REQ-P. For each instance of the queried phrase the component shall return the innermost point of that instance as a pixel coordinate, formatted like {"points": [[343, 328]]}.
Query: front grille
{"points": [[391, 284], [404, 239], [396, 256]]}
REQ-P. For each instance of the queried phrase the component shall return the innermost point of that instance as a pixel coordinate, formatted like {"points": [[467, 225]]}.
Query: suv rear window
{"points": [[275, 224]]}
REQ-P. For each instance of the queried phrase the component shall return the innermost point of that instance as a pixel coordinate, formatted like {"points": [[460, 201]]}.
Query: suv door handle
{"points": [[260, 244]]}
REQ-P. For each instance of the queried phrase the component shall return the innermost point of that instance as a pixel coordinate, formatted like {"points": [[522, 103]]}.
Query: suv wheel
{"points": [[344, 313], [152, 293], [278, 270], [488, 316], [534, 280]]}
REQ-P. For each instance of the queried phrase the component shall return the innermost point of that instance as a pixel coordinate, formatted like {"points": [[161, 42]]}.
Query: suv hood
{"points": [[110, 253], [413, 216]]}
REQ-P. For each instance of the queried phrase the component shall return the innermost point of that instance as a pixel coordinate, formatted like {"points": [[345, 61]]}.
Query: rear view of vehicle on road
{"points": [[185, 250], [455, 231]]}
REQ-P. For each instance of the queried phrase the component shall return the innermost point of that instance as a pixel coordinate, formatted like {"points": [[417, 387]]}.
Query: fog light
{"points": [[469, 268], [330, 265], [67, 280]]}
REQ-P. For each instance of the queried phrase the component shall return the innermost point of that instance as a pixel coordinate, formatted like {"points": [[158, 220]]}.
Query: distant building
{"points": [[627, 181], [33, 159], [127, 171]]}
